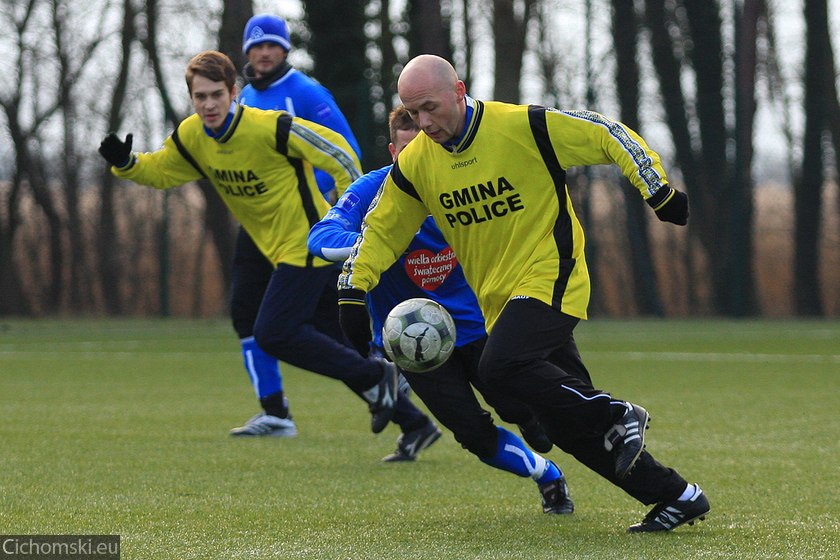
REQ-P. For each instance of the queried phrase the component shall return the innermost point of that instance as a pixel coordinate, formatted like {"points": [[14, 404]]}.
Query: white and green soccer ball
{"points": [[419, 335]]}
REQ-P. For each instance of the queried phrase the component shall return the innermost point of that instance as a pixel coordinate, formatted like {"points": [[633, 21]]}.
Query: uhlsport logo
{"points": [[462, 164]]}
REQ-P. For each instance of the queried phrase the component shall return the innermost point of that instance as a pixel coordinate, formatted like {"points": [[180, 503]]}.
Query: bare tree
{"points": [[509, 27], [235, 14], [338, 26], [688, 34], [668, 69], [110, 268], [625, 33], [808, 189], [741, 285], [382, 85], [26, 115], [13, 300], [74, 55], [466, 14], [429, 29], [548, 58], [389, 69]]}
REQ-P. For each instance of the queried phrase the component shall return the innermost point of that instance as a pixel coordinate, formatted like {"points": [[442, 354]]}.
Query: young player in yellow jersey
{"points": [[492, 175], [261, 164]]}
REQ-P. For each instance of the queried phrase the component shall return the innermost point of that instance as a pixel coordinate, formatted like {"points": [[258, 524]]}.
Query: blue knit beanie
{"points": [[266, 28]]}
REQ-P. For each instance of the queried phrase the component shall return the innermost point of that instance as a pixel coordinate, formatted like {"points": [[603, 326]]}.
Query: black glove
{"points": [[670, 208], [354, 319], [117, 152]]}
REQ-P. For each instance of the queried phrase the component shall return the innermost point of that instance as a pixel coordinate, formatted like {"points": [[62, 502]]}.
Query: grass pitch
{"points": [[120, 427]]}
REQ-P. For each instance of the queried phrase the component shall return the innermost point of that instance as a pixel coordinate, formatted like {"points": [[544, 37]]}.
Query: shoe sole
{"points": [[644, 425], [701, 517], [560, 511], [397, 458], [690, 522], [275, 433]]}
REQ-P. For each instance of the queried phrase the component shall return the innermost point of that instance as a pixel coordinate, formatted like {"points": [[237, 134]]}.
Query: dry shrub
{"points": [[196, 286]]}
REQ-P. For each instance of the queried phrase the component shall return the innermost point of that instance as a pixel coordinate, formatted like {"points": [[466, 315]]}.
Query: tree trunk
{"points": [[833, 110], [707, 60], [808, 191], [70, 169], [150, 44], [235, 15], [429, 31], [33, 166], [509, 46], [625, 40], [696, 178], [740, 294], [12, 298], [466, 73], [337, 26], [108, 245], [389, 71]]}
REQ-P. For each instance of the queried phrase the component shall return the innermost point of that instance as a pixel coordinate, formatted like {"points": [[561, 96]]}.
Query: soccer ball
{"points": [[419, 335]]}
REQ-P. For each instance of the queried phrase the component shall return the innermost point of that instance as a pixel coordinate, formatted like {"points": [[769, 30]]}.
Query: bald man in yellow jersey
{"points": [[493, 177], [261, 164]]}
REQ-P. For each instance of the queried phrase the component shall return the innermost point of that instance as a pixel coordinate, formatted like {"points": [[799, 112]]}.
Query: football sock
{"points": [[275, 405], [513, 456], [263, 369]]}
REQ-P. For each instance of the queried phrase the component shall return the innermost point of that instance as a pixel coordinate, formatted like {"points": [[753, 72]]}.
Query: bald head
{"points": [[427, 69], [434, 96]]}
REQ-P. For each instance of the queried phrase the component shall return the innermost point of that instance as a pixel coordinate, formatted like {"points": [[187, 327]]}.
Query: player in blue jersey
{"points": [[272, 83], [430, 269]]}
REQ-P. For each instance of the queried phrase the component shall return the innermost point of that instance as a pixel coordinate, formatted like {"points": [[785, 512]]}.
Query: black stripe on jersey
{"points": [[563, 226], [281, 135], [478, 112], [306, 201], [176, 139], [233, 124], [402, 183]]}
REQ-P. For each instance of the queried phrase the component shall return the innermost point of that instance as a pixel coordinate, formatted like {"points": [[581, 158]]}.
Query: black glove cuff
{"points": [[659, 197], [128, 164], [674, 209], [351, 296]]}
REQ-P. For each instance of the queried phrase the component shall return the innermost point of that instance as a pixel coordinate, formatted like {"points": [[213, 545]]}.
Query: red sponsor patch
{"points": [[429, 270]]}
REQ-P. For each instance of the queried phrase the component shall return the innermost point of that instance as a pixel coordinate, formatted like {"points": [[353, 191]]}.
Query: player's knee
{"points": [[493, 368], [243, 315], [274, 339], [476, 433], [243, 328], [481, 444]]}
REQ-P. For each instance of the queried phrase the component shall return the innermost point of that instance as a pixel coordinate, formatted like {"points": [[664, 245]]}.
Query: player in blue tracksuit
{"points": [[272, 83], [430, 269]]}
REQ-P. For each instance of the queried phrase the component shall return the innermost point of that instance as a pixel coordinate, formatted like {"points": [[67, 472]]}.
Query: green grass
{"points": [[120, 427]]}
